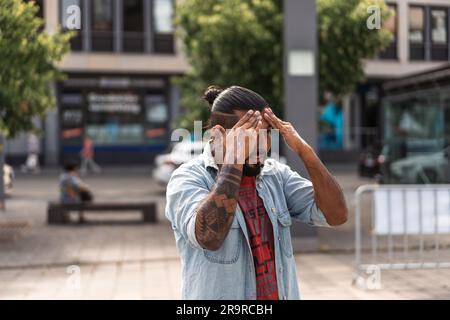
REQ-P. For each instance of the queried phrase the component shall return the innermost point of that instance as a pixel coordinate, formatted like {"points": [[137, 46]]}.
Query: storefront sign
{"points": [[114, 103]]}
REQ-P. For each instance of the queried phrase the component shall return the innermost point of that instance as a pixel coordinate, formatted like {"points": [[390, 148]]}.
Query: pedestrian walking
{"points": [[87, 157]]}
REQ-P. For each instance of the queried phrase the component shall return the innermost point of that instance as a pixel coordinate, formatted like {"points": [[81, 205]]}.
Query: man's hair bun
{"points": [[211, 94]]}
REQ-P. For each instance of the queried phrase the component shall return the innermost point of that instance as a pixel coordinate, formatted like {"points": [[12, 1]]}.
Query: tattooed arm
{"points": [[215, 214]]}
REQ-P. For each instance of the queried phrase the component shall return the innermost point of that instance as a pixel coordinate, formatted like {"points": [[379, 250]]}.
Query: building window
{"points": [[76, 41], [102, 13], [133, 26], [163, 26], [391, 25], [439, 34], [416, 33]]}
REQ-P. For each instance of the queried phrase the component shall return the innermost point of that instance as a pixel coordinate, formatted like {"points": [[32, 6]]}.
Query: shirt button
{"points": [[273, 210]]}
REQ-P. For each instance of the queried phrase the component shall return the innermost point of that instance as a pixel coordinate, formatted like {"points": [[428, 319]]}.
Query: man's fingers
{"points": [[244, 119], [253, 121], [272, 121]]}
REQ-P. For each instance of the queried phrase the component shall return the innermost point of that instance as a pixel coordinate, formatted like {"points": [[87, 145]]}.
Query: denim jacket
{"points": [[229, 272]]}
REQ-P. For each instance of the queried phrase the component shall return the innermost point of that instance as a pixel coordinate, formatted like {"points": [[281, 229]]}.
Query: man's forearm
{"points": [[215, 214], [327, 192]]}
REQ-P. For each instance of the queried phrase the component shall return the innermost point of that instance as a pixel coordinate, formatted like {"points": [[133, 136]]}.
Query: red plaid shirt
{"points": [[260, 233]]}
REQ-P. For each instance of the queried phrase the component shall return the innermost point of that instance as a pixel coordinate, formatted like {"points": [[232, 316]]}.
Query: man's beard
{"points": [[252, 170]]}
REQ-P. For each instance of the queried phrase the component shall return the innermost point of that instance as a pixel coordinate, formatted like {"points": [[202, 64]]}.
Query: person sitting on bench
{"points": [[72, 188]]}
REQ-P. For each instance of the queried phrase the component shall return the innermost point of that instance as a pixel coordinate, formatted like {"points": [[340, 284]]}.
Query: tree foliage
{"points": [[345, 41], [239, 42], [28, 58], [231, 42]]}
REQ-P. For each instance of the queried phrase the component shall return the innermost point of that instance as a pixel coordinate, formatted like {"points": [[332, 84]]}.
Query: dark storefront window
{"points": [[416, 148], [391, 25], [439, 34], [102, 25], [133, 26], [127, 125], [163, 26], [76, 41], [416, 33], [114, 118]]}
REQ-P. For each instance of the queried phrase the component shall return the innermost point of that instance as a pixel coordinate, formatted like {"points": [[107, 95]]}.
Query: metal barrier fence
{"points": [[402, 227]]}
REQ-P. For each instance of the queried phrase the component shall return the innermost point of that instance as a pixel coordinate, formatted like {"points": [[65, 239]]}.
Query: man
{"points": [[232, 218], [72, 188]]}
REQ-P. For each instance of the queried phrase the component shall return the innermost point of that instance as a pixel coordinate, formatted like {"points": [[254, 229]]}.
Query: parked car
{"points": [[427, 168], [165, 164], [8, 178]]}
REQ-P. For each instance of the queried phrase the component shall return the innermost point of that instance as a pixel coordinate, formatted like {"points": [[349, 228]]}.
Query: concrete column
{"points": [[51, 129], [51, 15], [174, 101], [148, 19], [118, 25], [402, 32], [427, 34], [86, 26], [300, 82], [346, 111], [300, 85]]}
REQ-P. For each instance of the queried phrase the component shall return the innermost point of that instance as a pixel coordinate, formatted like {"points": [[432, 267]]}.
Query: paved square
{"points": [[128, 260]]}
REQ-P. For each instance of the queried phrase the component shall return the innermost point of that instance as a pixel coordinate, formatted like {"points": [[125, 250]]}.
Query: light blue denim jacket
{"points": [[229, 272]]}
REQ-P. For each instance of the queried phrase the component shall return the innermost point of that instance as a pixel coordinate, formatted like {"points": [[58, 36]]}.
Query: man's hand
{"points": [[243, 138], [290, 135]]}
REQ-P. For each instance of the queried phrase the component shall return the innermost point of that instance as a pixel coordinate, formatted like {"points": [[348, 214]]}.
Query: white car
{"points": [[181, 153], [427, 168], [8, 178]]}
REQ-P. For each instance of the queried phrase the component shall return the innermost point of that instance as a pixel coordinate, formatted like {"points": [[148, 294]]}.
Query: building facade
{"points": [[421, 43], [118, 89]]}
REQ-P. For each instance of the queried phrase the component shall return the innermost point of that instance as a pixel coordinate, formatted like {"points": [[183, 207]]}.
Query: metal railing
{"points": [[402, 227]]}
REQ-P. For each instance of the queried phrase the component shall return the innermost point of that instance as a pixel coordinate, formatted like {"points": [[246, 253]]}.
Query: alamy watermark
{"points": [[73, 281], [72, 17], [372, 281], [374, 20]]}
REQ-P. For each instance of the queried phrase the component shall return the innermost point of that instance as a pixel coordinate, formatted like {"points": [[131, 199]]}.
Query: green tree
{"points": [[345, 41], [239, 42], [28, 59], [229, 42]]}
